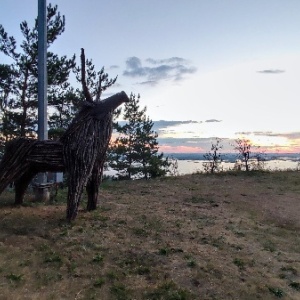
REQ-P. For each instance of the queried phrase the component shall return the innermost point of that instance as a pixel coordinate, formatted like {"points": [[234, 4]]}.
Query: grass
{"points": [[224, 236]]}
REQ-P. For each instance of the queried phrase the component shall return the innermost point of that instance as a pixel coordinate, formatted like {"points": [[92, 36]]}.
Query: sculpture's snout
{"points": [[125, 97]]}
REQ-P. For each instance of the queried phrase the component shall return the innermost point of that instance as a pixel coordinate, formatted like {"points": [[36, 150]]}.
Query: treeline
{"points": [[134, 152]]}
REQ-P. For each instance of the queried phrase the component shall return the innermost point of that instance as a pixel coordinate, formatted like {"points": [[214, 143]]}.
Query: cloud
{"points": [[213, 120], [288, 135], [243, 133], [167, 149], [173, 68], [177, 60], [191, 144], [114, 67], [163, 125], [149, 83], [196, 142], [271, 71], [166, 123]]}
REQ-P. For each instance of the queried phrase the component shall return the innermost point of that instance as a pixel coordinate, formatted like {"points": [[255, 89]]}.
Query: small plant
{"points": [[102, 208], [173, 166], [52, 258], [98, 258], [164, 251], [239, 263], [178, 224], [190, 261], [14, 277], [276, 291], [237, 247], [99, 282], [239, 233], [202, 199], [282, 276], [289, 269], [269, 246], [140, 232], [64, 232], [142, 270], [169, 291], [112, 275], [213, 158], [25, 263], [295, 285], [119, 291]]}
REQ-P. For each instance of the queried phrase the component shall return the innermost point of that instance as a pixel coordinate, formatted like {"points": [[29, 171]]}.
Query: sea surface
{"points": [[189, 163], [193, 166]]}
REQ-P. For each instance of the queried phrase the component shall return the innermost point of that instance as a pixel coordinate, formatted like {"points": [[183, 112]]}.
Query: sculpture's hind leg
{"points": [[21, 185], [14, 163]]}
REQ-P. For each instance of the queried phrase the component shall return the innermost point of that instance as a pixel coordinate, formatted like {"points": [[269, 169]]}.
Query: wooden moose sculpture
{"points": [[80, 152]]}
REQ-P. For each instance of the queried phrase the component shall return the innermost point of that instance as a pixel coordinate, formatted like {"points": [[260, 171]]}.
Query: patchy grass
{"points": [[224, 236]]}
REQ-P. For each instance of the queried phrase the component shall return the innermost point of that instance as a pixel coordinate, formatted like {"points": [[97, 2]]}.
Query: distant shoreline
{"points": [[232, 157]]}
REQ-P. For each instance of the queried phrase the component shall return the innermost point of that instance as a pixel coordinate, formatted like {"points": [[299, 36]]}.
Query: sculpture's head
{"points": [[108, 105], [112, 102], [95, 107]]}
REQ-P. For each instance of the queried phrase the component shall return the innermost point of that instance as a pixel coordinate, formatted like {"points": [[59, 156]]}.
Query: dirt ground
{"points": [[226, 236]]}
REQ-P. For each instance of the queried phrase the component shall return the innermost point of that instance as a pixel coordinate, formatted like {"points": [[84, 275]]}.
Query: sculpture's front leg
{"points": [[93, 185]]}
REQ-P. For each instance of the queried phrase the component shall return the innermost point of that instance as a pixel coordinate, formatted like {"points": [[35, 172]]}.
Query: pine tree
{"points": [[21, 97], [135, 152], [6, 87], [65, 102], [96, 81]]}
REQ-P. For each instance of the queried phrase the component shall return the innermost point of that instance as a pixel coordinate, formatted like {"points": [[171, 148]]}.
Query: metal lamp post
{"points": [[42, 71], [41, 189]]}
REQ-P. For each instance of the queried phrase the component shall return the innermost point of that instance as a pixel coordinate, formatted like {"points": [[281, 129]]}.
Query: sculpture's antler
{"points": [[85, 89]]}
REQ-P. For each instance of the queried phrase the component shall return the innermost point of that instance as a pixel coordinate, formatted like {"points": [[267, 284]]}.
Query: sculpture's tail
{"points": [[14, 164]]}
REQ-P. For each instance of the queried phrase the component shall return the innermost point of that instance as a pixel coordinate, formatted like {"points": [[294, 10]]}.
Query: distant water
{"points": [[193, 166], [189, 166]]}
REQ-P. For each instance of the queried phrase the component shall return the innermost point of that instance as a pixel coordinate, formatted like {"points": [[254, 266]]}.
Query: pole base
{"points": [[41, 192]]}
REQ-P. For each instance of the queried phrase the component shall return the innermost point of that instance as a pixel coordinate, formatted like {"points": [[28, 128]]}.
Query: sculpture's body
{"points": [[84, 146], [80, 152]]}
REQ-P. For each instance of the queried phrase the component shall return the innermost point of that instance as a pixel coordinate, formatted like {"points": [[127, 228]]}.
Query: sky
{"points": [[203, 68]]}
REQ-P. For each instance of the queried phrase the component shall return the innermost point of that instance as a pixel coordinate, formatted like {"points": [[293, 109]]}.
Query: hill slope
{"points": [[231, 236]]}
